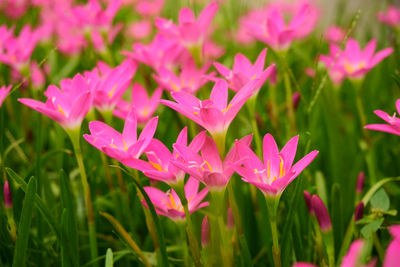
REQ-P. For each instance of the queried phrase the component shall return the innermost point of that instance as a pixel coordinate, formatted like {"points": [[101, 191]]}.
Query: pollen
{"points": [[111, 93]]}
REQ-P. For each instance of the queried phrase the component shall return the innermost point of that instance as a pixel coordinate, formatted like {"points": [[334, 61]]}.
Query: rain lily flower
{"points": [[16, 51], [145, 106], [169, 204], [4, 90], [208, 167], [334, 34], [214, 114], [121, 146], [353, 62], [140, 30], [190, 79], [393, 125], [190, 31], [159, 165], [351, 259], [149, 8], [110, 83], [277, 172], [392, 256], [68, 106], [161, 52], [275, 32], [391, 17], [244, 71]]}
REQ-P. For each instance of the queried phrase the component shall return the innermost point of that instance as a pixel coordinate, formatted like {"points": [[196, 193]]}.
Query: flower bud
{"points": [[230, 220], [205, 232], [360, 182], [359, 212], [321, 213], [7, 196], [307, 199], [296, 99]]}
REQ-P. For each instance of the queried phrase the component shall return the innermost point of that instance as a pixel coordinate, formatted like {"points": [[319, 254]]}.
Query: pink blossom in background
{"points": [[334, 34], [14, 8], [353, 62], [68, 106], [139, 30], [7, 195], [277, 172], [190, 79], [110, 83], [214, 114], [16, 51], [390, 17], [208, 167], [393, 122], [149, 8], [392, 256], [162, 51], [244, 71], [4, 91], [274, 31], [144, 104], [169, 204], [121, 146], [191, 32]]}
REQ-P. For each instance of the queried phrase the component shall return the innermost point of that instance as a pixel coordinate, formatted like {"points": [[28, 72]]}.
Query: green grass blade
{"points": [[24, 225], [109, 258]]}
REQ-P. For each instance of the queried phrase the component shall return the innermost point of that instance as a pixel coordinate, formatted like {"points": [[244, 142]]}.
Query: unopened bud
{"points": [[307, 199], [230, 221], [296, 99], [321, 213], [7, 196], [360, 182], [359, 212], [205, 232]]}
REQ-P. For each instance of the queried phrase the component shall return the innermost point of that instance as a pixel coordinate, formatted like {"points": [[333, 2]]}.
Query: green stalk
{"points": [[219, 139], [289, 101], [251, 105], [75, 139], [272, 205]]}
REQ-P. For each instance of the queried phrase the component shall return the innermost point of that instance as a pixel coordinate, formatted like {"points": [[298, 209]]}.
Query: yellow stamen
{"points": [[281, 170], [110, 94], [256, 173], [227, 108], [254, 76], [157, 166], [175, 87], [268, 169], [208, 165], [171, 198], [125, 146], [61, 110]]}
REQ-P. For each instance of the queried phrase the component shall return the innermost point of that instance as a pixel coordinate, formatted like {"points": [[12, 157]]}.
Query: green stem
{"points": [[252, 110], [75, 139], [272, 205], [182, 234], [289, 101], [219, 139]]}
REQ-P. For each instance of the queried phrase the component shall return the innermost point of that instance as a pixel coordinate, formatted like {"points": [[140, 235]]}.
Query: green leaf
{"points": [[371, 228], [109, 258], [38, 202], [380, 200], [24, 225]]}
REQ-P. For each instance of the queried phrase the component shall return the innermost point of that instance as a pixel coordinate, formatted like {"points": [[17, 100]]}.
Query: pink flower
{"points": [[208, 167], [145, 106], [320, 211], [14, 8], [190, 79], [334, 34], [139, 30], [243, 71], [391, 17], [159, 165], [150, 8], [169, 204], [393, 125], [351, 259], [16, 51], [275, 32], [352, 62], [277, 172], [4, 91], [214, 114], [110, 83], [161, 52], [190, 31], [392, 256], [67, 106], [121, 146]]}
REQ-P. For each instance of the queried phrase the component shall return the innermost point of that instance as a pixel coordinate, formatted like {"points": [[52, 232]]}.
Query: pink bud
{"points": [[307, 199], [321, 213], [360, 182], [205, 232], [230, 221], [296, 99], [7, 196], [359, 212]]}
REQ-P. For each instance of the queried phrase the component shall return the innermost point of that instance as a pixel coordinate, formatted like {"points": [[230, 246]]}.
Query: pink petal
{"points": [[219, 95]]}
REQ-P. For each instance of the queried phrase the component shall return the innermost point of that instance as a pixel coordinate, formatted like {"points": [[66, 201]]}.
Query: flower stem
{"points": [[75, 139], [219, 139], [289, 101], [272, 205]]}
